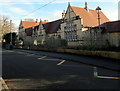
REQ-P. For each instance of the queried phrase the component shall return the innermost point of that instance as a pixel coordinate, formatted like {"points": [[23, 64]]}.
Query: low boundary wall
{"points": [[106, 54]]}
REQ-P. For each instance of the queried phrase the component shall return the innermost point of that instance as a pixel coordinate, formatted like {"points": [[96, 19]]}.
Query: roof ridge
{"points": [[53, 21], [91, 15], [82, 8], [28, 21], [77, 7]]}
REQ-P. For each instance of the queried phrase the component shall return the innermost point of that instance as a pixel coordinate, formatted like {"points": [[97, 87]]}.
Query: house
{"points": [[36, 33], [26, 29], [25, 25], [76, 20], [107, 36], [76, 26], [112, 31], [47, 31]]}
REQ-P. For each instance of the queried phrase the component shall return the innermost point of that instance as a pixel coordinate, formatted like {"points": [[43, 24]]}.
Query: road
{"points": [[23, 70]]}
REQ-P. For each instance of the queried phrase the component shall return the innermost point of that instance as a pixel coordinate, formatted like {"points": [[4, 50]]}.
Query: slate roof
{"points": [[52, 27], [113, 26]]}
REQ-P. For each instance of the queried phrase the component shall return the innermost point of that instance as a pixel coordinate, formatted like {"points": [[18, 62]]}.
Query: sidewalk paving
{"points": [[3, 85]]}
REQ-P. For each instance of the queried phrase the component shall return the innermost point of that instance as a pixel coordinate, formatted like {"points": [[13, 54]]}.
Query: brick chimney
{"points": [[36, 20], [46, 20], [86, 6]]}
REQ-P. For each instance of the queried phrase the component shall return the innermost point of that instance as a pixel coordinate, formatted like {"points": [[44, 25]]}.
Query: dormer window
{"points": [[77, 17]]}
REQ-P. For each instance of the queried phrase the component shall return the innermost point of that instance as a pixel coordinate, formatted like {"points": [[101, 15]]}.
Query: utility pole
{"points": [[11, 31], [69, 22]]}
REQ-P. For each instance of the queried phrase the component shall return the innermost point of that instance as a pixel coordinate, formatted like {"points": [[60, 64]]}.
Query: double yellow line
{"points": [[103, 77], [107, 77]]}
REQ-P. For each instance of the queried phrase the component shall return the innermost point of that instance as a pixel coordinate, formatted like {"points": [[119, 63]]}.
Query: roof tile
{"points": [[90, 17], [28, 24]]}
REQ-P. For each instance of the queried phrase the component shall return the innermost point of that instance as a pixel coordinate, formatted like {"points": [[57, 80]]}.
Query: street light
{"points": [[98, 9], [11, 30], [11, 34]]}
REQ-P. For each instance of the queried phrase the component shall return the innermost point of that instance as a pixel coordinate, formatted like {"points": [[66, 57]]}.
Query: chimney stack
{"points": [[36, 20], [46, 20], [86, 6], [63, 14]]}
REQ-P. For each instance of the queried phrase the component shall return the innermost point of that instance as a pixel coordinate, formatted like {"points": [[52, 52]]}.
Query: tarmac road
{"points": [[23, 70]]}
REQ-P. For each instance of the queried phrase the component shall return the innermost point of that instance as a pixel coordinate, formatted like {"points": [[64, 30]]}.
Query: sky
{"points": [[51, 10]]}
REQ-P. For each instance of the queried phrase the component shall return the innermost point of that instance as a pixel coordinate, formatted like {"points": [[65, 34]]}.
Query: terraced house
{"points": [[36, 33], [74, 27], [50, 30], [76, 20], [26, 33]]}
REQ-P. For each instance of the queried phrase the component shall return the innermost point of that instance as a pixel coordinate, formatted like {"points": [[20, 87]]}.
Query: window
{"points": [[38, 32], [77, 17], [95, 35]]}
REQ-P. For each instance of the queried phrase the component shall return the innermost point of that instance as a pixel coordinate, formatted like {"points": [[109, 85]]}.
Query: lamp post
{"points": [[10, 31], [10, 34], [98, 9]]}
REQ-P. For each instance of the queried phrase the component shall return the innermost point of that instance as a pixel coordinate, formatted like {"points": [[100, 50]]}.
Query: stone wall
{"points": [[99, 40]]}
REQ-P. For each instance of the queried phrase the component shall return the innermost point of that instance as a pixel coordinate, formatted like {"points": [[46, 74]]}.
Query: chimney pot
{"points": [[86, 6], [36, 20]]}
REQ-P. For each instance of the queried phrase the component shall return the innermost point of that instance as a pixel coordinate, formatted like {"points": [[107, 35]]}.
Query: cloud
{"points": [[53, 15], [54, 1], [28, 2], [16, 22], [56, 15], [112, 16], [17, 10]]}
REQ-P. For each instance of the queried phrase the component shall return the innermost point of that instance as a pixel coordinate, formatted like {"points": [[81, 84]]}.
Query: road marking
{"points": [[20, 52], [103, 77], [61, 62], [23, 53], [30, 54], [53, 59], [106, 77], [7, 51], [42, 57], [71, 66]]}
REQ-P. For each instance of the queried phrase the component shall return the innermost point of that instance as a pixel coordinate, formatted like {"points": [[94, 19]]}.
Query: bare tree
{"points": [[5, 26]]}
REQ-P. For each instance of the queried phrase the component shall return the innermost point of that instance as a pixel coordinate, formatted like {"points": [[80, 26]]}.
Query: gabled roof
{"points": [[52, 27], [28, 24], [90, 17]]}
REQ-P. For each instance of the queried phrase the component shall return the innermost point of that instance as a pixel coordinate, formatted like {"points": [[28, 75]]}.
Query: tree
{"points": [[8, 39], [5, 26]]}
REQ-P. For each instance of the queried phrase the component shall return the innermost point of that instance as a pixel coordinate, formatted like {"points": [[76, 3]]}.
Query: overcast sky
{"points": [[21, 9]]}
